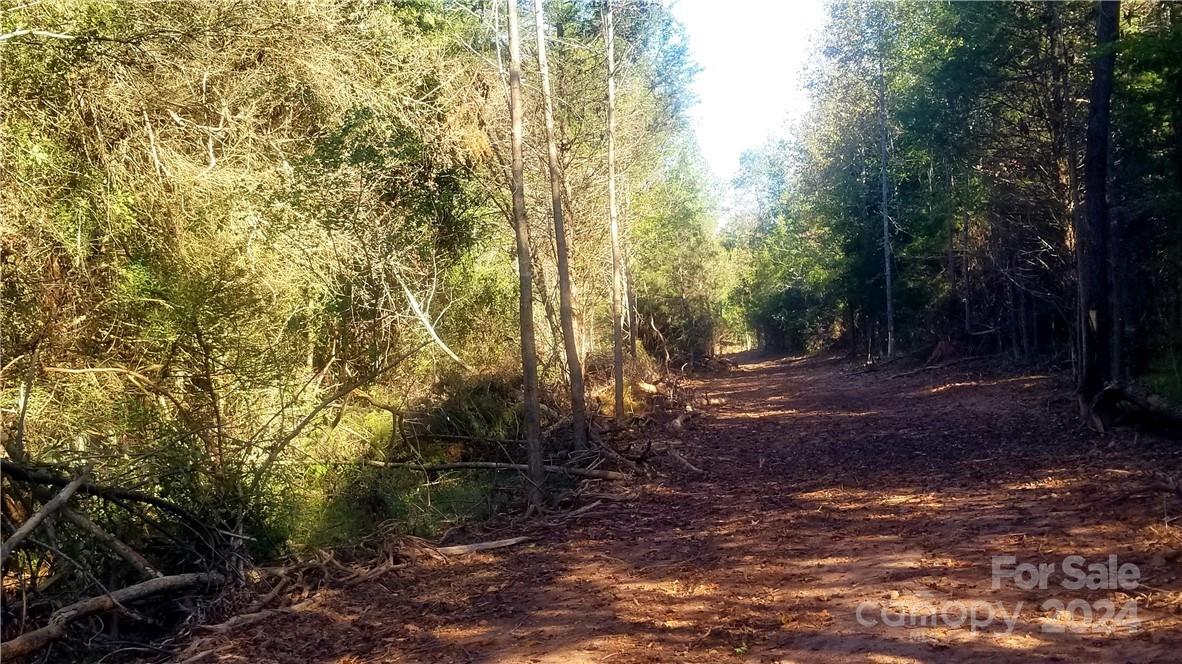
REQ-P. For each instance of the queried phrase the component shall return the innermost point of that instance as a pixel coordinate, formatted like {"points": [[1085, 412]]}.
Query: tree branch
{"points": [[39, 638], [35, 520], [130, 555]]}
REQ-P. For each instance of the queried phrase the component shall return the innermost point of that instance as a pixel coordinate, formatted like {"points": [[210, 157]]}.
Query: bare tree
{"points": [[557, 184], [614, 217], [529, 355]]}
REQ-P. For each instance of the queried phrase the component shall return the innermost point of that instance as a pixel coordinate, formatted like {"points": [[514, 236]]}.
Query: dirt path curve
{"points": [[827, 491]]}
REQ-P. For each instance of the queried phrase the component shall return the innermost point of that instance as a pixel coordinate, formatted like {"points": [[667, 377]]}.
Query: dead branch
{"points": [[244, 619], [490, 465], [644, 388], [930, 367], [610, 453], [581, 511], [684, 463], [266, 600], [612, 497], [35, 520], [475, 439], [426, 322], [461, 549], [374, 572], [39, 638], [36, 33], [130, 555]]}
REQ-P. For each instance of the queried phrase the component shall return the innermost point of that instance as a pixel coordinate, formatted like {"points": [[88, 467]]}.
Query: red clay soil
{"points": [[826, 490]]}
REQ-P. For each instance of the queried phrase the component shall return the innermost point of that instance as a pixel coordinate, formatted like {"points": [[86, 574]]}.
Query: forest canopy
{"points": [[958, 134]]}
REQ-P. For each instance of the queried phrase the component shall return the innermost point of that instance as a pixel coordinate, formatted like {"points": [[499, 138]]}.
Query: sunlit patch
{"points": [[776, 415], [1025, 382], [1049, 482]]}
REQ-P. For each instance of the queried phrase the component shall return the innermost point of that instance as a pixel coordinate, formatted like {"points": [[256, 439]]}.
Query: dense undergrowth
{"points": [[247, 247]]}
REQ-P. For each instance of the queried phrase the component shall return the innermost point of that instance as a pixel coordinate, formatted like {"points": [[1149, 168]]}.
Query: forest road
{"points": [[842, 517]]}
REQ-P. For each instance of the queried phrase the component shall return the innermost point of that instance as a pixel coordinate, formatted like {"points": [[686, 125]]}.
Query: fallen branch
{"points": [[612, 497], [612, 454], [39, 638], [128, 554], [266, 600], [244, 619], [35, 520], [374, 572], [645, 388], [461, 549], [930, 367], [582, 510], [1140, 398], [489, 465], [673, 454]]}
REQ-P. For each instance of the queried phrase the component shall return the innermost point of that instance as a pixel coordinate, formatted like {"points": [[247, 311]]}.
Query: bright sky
{"points": [[752, 54]]}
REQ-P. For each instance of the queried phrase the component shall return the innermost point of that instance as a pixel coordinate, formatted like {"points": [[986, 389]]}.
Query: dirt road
{"points": [[839, 511]]}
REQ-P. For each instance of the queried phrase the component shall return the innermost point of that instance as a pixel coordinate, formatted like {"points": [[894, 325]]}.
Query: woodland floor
{"points": [[824, 488]]}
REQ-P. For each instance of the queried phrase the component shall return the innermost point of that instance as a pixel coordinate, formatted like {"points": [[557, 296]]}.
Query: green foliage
{"points": [[985, 137], [487, 406], [353, 502], [216, 215], [678, 262]]}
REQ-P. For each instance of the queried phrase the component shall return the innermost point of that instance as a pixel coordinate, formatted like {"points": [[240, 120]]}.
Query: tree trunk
{"points": [[614, 217], [1092, 238], [964, 274], [565, 308], [630, 301], [886, 223], [529, 355]]}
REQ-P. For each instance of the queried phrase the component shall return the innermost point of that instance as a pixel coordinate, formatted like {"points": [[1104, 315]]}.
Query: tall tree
{"points": [[614, 217], [529, 355], [557, 184], [1092, 253], [884, 182]]}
